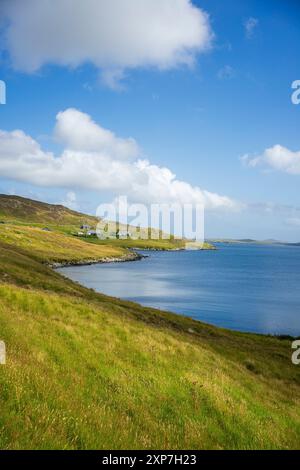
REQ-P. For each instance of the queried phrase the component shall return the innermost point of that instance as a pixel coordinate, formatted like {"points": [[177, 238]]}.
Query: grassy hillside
{"points": [[79, 364], [16, 208], [56, 247], [162, 245], [18, 212]]}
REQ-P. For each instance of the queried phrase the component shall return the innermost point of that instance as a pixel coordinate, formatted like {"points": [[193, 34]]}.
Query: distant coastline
{"points": [[251, 241]]}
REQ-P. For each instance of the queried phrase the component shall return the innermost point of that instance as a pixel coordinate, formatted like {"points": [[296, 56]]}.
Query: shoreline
{"points": [[132, 255], [129, 257]]}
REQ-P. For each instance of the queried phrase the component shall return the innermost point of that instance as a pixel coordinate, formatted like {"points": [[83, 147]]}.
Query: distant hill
{"points": [[27, 210], [17, 210]]}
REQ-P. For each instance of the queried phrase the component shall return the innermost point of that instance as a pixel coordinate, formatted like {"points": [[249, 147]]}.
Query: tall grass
{"points": [[79, 375]]}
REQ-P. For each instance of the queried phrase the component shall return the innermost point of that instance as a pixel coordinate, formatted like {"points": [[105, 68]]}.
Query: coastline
{"points": [[132, 255], [135, 256], [128, 257]]}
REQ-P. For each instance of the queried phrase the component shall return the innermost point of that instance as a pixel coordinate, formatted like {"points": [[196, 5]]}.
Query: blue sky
{"points": [[198, 121]]}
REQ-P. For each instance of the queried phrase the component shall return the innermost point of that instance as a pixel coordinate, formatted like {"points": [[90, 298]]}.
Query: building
{"points": [[91, 233]]}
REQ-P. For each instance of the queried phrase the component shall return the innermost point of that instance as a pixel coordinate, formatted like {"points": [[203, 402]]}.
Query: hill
{"points": [[250, 241], [17, 211], [53, 247], [35, 212]]}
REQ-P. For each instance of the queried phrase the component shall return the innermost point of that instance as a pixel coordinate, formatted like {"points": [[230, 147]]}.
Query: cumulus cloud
{"points": [[276, 158], [96, 159], [113, 35], [91, 137], [250, 26]]}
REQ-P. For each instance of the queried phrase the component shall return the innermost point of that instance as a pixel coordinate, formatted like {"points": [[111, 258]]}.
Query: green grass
{"points": [[162, 245], [16, 208], [86, 371], [54, 247]]}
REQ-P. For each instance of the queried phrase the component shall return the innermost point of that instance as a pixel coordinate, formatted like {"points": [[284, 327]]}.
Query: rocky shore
{"points": [[130, 256]]}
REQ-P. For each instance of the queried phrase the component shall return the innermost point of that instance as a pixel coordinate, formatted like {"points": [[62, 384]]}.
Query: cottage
{"points": [[91, 233], [123, 234]]}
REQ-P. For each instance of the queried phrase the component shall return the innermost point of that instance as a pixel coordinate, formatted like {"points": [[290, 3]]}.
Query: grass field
{"points": [[54, 247], [86, 371]]}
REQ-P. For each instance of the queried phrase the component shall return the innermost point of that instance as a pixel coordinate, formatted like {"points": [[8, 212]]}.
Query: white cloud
{"points": [[91, 137], [95, 159], [250, 26], [113, 78], [225, 73], [293, 222], [70, 201], [113, 35], [276, 158]]}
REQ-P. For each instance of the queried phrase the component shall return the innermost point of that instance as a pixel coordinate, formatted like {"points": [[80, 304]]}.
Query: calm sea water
{"points": [[243, 287]]}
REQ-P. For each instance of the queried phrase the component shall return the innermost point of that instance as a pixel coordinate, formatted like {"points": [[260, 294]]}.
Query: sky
{"points": [[181, 102]]}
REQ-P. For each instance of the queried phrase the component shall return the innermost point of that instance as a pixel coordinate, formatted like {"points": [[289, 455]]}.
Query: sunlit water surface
{"points": [[243, 287]]}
